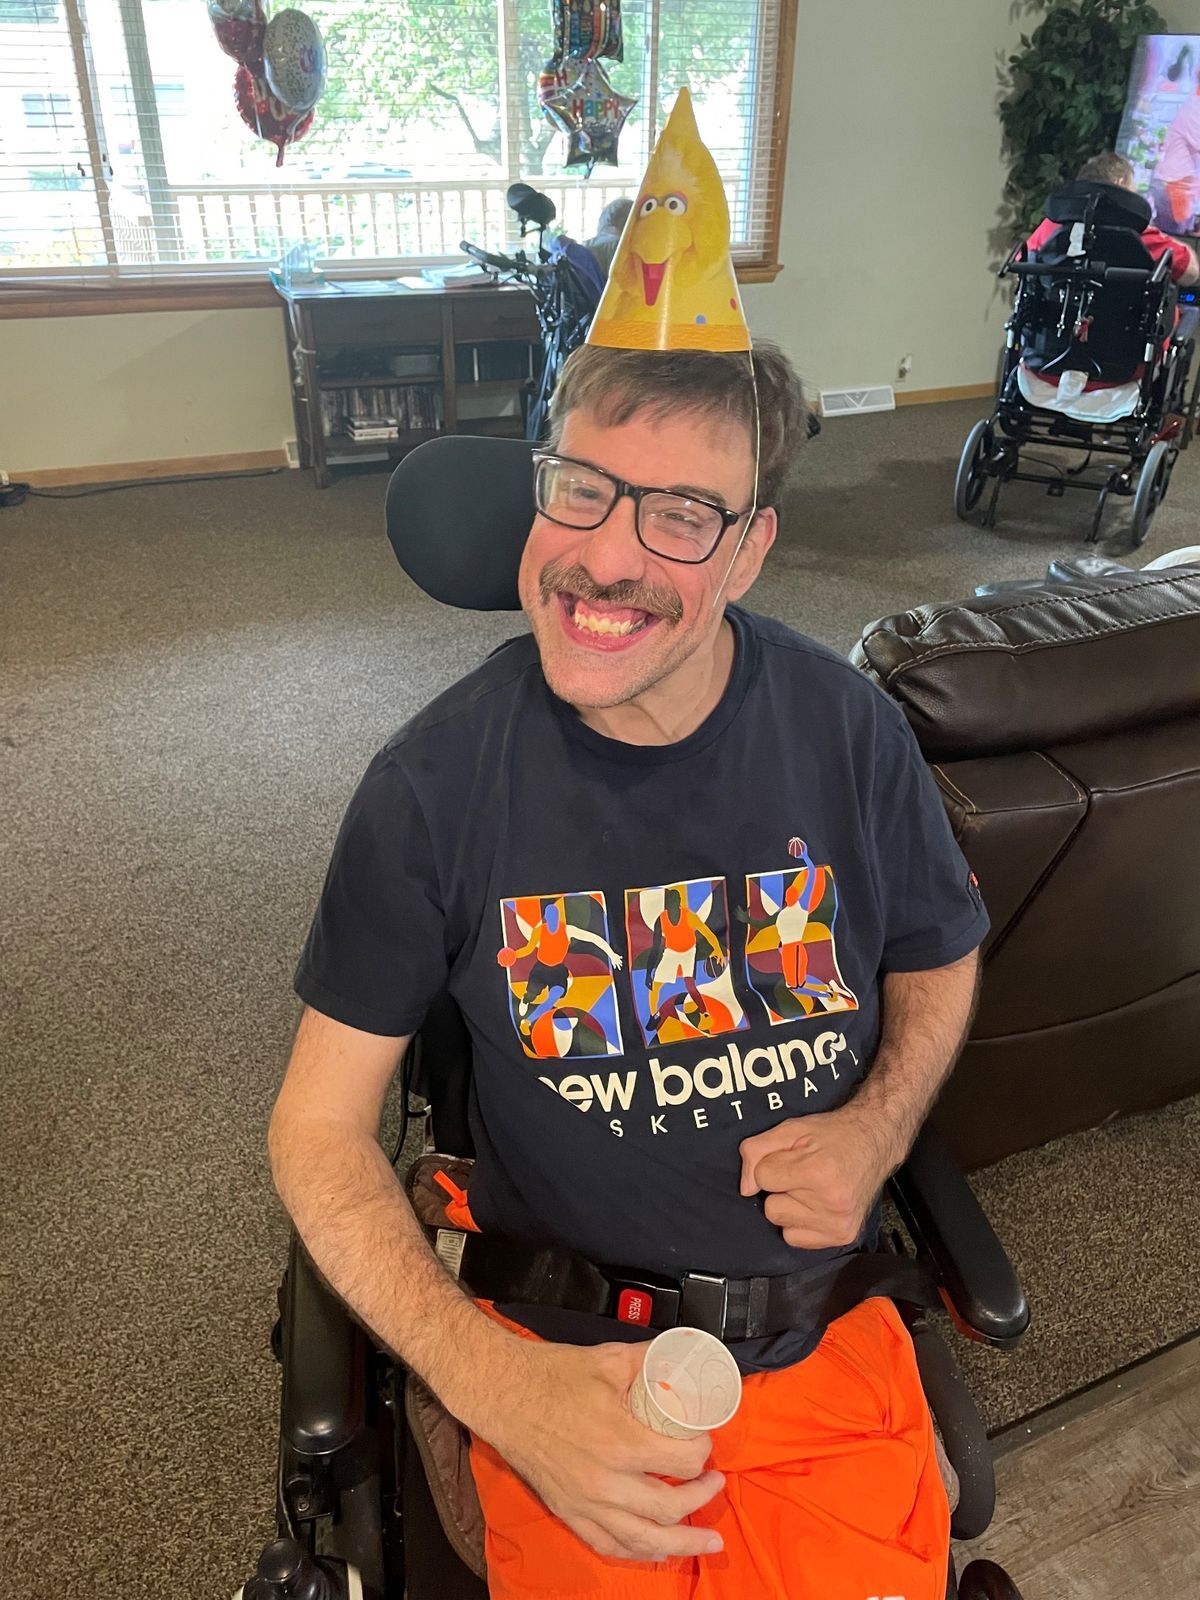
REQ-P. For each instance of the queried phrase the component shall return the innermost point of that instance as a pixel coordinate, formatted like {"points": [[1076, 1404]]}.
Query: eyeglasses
{"points": [[678, 527]]}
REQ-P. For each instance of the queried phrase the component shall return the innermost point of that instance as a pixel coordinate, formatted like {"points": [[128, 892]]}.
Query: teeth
{"points": [[601, 624]]}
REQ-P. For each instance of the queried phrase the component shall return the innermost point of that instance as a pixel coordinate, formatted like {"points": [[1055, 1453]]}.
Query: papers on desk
{"points": [[363, 285], [468, 277], [455, 277]]}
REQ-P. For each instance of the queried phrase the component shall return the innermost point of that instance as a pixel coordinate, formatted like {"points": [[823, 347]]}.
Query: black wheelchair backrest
{"points": [[1098, 324], [459, 510], [1105, 205], [439, 1069], [1115, 247]]}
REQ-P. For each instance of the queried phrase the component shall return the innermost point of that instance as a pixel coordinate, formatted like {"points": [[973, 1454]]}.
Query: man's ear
{"points": [[758, 540]]}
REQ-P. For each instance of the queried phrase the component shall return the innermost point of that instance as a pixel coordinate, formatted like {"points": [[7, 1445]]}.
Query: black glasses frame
{"points": [[636, 493]]}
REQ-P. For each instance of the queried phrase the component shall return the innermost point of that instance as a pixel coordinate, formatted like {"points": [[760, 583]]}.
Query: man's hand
{"points": [[821, 1174], [560, 1418]]}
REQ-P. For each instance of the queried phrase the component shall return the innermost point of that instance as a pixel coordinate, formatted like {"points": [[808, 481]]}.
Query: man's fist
{"points": [[821, 1175]]}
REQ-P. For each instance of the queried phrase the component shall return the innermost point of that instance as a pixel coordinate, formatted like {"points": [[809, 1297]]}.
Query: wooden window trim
{"points": [[243, 295]]}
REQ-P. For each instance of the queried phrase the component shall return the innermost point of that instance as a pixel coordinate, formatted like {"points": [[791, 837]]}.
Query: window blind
{"points": [[122, 155]]}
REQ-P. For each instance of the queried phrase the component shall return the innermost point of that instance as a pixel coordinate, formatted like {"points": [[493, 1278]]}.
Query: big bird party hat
{"points": [[671, 285]]}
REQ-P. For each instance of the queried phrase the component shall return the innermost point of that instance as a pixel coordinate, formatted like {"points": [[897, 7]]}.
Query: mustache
{"points": [[557, 577]]}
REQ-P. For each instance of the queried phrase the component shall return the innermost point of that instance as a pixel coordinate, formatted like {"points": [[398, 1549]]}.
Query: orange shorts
{"points": [[832, 1492]]}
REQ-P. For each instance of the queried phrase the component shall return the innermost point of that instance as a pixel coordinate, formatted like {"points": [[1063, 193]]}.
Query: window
{"points": [[122, 155], [27, 11], [169, 98], [45, 110]]}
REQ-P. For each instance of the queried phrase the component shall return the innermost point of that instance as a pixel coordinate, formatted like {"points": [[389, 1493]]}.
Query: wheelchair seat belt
{"points": [[514, 1272], [510, 1272]]}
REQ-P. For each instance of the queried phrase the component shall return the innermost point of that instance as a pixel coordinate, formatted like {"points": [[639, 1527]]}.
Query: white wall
{"points": [[893, 178]]}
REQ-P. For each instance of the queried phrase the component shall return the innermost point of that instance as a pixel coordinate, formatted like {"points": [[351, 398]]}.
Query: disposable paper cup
{"points": [[688, 1384]]}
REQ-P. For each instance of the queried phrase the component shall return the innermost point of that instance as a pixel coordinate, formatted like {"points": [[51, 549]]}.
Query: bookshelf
{"points": [[439, 361]]}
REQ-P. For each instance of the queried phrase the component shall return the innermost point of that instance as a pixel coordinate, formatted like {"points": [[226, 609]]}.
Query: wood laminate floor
{"points": [[1099, 1498]]}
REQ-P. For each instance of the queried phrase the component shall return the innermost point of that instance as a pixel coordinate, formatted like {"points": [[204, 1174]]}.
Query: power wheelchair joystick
{"points": [[286, 1571]]}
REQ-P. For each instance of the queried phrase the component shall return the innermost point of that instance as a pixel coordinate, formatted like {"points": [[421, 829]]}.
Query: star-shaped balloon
{"points": [[579, 100]]}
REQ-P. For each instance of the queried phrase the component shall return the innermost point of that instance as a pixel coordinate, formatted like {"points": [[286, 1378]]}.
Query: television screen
{"points": [[1160, 130]]}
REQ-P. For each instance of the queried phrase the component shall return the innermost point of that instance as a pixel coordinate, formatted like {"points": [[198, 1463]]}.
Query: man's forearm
{"points": [[926, 1017], [358, 1227]]}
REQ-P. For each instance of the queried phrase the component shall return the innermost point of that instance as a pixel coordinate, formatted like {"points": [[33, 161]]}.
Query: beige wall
{"points": [[167, 384], [893, 176]]}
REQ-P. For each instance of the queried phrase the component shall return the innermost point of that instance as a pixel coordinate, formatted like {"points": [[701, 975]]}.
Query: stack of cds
{"points": [[372, 427]]}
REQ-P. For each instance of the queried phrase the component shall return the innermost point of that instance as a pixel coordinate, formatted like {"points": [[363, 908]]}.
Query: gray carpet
{"points": [[193, 678]]}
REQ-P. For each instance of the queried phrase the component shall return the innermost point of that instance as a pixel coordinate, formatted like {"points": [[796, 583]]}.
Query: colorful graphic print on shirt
{"points": [[680, 963], [791, 957], [561, 966]]}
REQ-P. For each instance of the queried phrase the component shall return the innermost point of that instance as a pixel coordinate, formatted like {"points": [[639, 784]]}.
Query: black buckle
{"points": [[705, 1303]]}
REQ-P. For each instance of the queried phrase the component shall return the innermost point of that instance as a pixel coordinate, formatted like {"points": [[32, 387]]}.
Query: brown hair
{"points": [[615, 385], [1107, 167]]}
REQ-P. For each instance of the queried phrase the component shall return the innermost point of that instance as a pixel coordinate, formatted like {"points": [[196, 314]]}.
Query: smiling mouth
{"points": [[603, 627]]}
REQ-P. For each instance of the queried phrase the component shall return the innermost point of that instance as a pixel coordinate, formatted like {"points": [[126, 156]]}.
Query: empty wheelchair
{"points": [[354, 1506], [1097, 360]]}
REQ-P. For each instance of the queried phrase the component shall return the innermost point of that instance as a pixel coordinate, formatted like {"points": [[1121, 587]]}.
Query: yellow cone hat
{"points": [[671, 285]]}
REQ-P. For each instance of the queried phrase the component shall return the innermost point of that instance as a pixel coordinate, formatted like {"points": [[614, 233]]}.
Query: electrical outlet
{"points": [[292, 452], [4, 479], [905, 367]]}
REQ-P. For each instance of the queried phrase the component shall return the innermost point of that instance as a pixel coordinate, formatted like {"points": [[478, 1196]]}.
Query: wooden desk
{"points": [[448, 360]]}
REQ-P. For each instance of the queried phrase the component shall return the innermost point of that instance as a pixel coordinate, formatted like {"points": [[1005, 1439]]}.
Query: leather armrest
{"points": [[324, 1364], [951, 1233]]}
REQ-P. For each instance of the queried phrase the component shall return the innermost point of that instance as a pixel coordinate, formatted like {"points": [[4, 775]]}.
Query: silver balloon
{"points": [[294, 59], [232, 10]]}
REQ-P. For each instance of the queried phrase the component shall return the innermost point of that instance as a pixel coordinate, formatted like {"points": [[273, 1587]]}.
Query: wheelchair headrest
{"points": [[459, 510], [1111, 205]]}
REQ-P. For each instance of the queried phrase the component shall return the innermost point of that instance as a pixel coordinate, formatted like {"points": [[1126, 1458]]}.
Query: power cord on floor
{"points": [[13, 494]]}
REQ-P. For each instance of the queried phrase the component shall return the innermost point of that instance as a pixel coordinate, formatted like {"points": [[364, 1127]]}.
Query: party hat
{"points": [[671, 285]]}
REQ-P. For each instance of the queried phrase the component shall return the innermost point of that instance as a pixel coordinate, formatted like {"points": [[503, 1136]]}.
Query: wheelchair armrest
{"points": [[951, 1233], [324, 1364]]}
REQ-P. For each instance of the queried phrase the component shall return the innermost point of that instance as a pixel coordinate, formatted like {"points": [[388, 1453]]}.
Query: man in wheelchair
{"points": [[687, 877], [1112, 169], [1097, 358]]}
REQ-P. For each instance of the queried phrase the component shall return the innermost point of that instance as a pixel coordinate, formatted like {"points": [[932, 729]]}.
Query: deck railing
{"points": [[420, 219]]}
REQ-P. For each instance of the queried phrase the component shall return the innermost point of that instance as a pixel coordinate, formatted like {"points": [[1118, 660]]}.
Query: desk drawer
{"points": [[383, 321], [494, 316]]}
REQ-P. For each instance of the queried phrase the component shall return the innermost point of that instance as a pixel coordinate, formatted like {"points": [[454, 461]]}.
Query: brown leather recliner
{"points": [[1063, 727]]}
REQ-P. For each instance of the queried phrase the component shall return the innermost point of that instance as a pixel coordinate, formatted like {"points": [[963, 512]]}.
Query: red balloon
{"points": [[266, 116], [242, 39]]}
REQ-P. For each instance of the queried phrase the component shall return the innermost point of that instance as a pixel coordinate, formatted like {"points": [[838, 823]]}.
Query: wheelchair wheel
{"points": [[968, 485], [984, 1580], [1151, 487], [963, 1433]]}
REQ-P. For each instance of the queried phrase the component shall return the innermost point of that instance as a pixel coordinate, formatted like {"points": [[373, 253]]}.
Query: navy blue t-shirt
{"points": [[658, 949]]}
